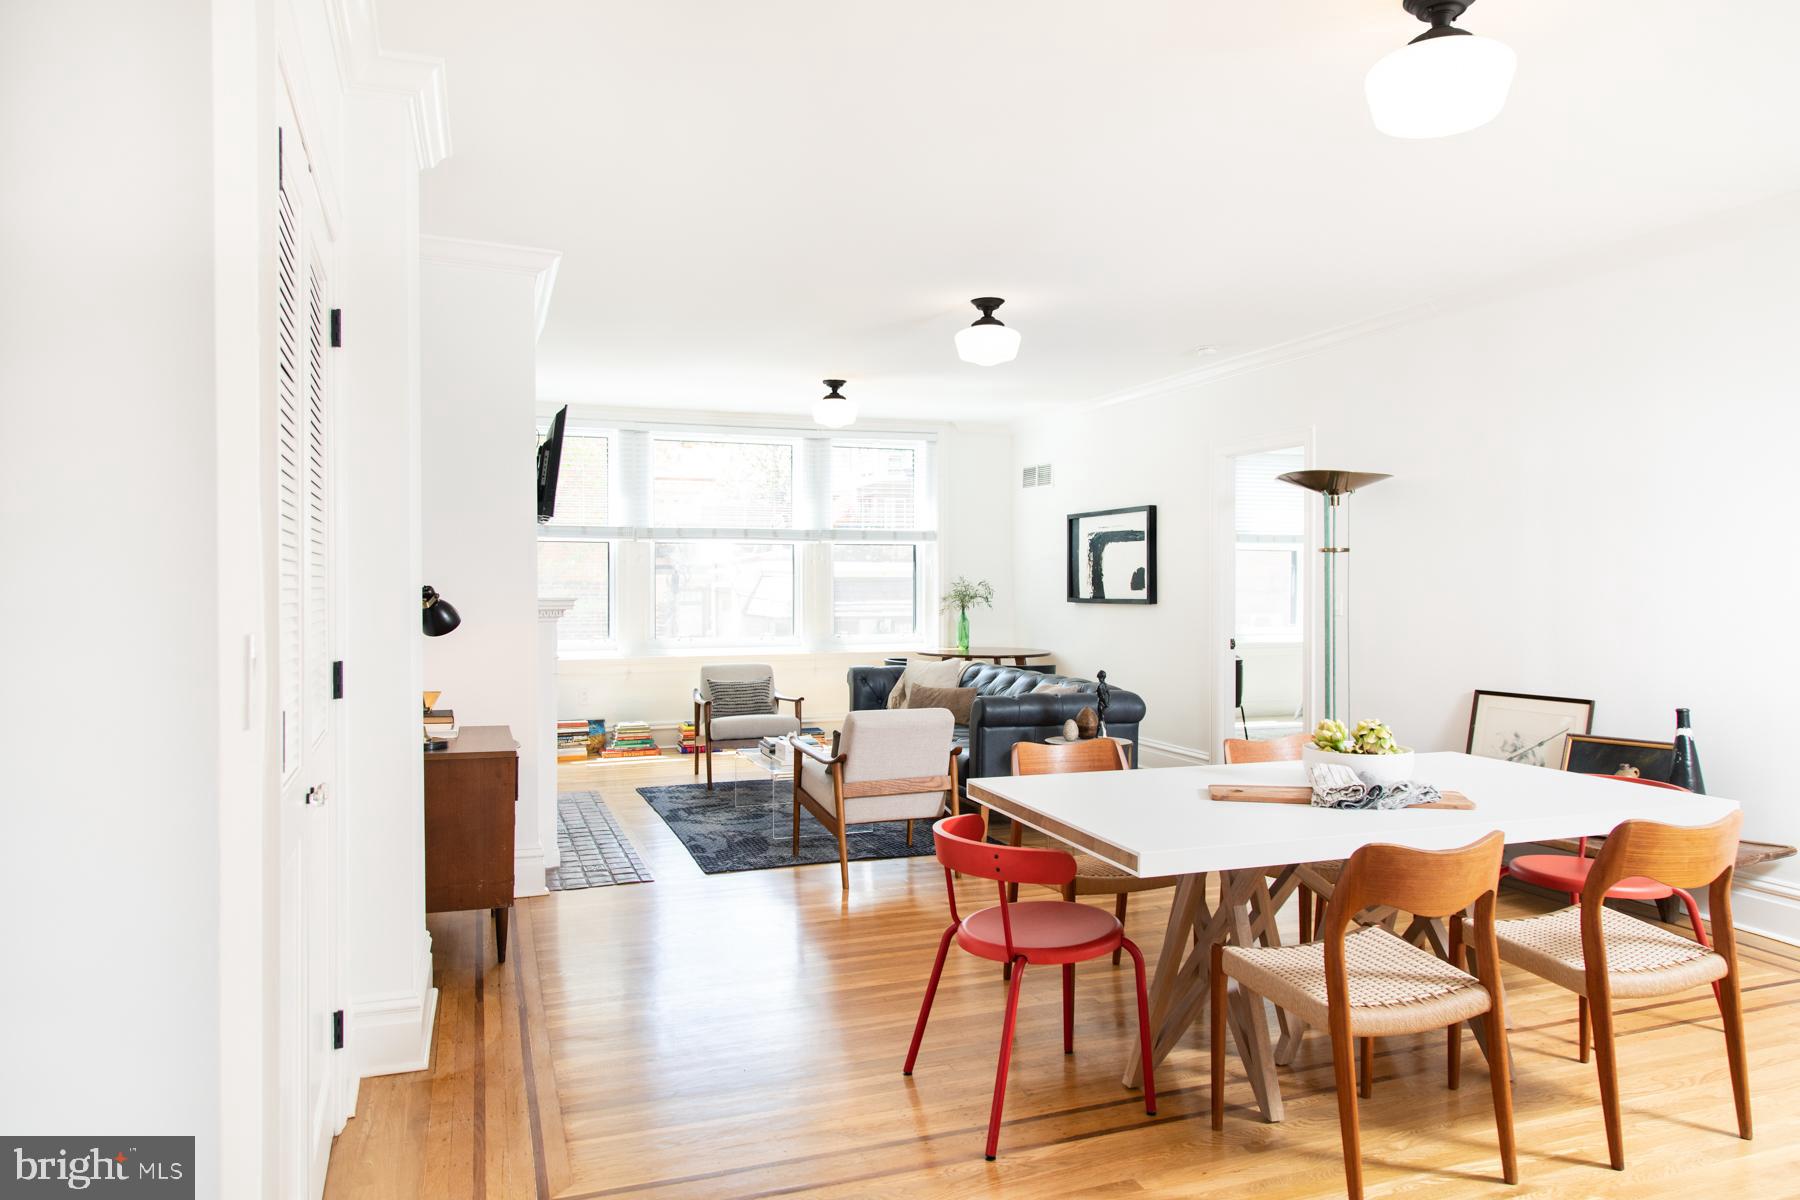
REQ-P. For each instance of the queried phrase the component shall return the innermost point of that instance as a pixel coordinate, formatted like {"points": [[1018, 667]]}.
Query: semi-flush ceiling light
{"points": [[1446, 80], [987, 342], [834, 410]]}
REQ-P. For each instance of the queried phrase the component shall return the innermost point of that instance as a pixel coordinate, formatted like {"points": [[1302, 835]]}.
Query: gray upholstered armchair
{"points": [[736, 705], [888, 765]]}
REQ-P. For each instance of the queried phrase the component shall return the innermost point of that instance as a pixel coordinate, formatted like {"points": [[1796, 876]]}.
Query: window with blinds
{"points": [[712, 536], [1270, 521], [584, 483], [874, 487], [725, 484], [581, 570]]}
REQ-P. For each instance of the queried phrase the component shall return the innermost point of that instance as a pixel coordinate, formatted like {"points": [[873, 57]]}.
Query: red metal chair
{"points": [[1568, 873], [1017, 933]]}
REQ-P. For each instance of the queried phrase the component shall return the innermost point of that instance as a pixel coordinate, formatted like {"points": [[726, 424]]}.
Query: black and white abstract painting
{"points": [[1112, 556]]}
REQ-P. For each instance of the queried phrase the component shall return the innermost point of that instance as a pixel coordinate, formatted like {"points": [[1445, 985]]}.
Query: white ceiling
{"points": [[751, 197]]}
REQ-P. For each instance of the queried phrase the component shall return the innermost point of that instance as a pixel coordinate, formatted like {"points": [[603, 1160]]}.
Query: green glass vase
{"points": [[962, 633]]}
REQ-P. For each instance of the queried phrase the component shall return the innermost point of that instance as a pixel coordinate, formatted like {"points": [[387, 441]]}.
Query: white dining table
{"points": [[1159, 822]]}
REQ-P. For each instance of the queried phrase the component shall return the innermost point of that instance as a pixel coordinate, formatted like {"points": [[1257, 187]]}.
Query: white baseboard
{"points": [[528, 872], [1765, 905], [1168, 754], [393, 1033]]}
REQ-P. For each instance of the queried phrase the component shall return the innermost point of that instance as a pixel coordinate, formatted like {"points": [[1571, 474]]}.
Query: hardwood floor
{"points": [[742, 1035]]}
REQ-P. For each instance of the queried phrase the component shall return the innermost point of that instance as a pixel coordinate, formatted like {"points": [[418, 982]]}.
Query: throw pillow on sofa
{"points": [[958, 700], [742, 697], [946, 673]]}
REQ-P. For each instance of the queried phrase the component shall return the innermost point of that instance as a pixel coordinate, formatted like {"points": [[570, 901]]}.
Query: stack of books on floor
{"points": [[630, 739], [690, 737], [571, 741]]}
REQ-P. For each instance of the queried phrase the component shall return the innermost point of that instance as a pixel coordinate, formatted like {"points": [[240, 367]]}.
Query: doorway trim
{"points": [[1224, 579]]}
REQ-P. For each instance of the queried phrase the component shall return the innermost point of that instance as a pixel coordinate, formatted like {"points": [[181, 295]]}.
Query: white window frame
{"points": [[633, 535]]}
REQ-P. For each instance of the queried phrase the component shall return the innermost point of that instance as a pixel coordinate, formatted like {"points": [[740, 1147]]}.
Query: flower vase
{"points": [[962, 633]]}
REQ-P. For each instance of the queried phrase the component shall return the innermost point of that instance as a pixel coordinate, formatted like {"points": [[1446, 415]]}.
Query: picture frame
{"points": [[1588, 754], [1526, 728], [1111, 556]]}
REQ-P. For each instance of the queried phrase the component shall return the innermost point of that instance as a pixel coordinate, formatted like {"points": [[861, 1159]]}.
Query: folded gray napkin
{"points": [[1340, 787]]}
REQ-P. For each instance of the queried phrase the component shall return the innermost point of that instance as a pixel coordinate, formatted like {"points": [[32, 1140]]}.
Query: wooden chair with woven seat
{"points": [[1287, 749], [1568, 873], [1372, 983], [1092, 876], [1598, 952]]}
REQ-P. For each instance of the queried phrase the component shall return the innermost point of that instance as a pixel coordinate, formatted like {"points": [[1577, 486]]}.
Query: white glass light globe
{"points": [[987, 345], [1440, 86], [834, 413]]}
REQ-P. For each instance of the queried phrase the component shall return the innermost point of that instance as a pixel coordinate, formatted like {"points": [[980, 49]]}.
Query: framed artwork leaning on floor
{"points": [[1588, 755], [1522, 728]]}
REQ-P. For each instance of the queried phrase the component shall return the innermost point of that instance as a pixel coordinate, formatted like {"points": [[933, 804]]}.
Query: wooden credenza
{"points": [[471, 787]]}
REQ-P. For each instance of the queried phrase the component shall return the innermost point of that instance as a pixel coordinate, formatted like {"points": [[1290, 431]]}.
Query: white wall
{"points": [[478, 338], [976, 483], [110, 701], [387, 953], [1591, 496]]}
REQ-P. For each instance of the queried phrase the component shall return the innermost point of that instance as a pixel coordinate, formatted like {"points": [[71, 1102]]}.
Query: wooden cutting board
{"points": [[1303, 795]]}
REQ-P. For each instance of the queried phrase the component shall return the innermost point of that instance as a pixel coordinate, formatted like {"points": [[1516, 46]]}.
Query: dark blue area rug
{"points": [[746, 825]]}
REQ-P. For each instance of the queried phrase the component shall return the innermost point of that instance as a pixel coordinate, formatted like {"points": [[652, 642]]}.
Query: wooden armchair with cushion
{"points": [[887, 765], [736, 705]]}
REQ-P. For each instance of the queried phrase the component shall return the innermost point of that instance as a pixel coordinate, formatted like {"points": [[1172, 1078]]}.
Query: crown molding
{"points": [[498, 256], [417, 79], [1717, 228], [1262, 358]]}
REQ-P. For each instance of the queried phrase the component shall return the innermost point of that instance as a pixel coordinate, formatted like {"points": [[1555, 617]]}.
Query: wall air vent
{"points": [[1038, 476]]}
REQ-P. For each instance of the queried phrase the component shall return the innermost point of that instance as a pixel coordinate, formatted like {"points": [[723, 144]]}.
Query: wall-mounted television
{"points": [[549, 463]]}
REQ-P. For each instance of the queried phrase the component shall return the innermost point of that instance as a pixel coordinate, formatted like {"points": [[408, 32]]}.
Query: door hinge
{"points": [[337, 1030], [337, 680], [337, 327]]}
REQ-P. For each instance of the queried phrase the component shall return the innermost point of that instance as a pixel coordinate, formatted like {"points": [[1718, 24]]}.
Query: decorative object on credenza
{"points": [[1071, 731], [1523, 728], [1445, 81], [1369, 750], [962, 596], [439, 616], [834, 410], [1686, 771], [439, 723], [1586, 754], [1087, 723], [988, 342], [1334, 485], [1102, 698], [1112, 556]]}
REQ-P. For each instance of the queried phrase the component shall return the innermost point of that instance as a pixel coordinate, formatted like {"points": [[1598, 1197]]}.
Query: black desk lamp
{"points": [[439, 615]]}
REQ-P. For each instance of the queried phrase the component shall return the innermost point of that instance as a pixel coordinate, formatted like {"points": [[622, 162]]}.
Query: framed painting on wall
{"points": [[1522, 728], [1112, 556], [1619, 756]]}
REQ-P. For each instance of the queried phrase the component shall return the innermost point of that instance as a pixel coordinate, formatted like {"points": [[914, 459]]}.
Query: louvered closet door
{"points": [[301, 480], [291, 362]]}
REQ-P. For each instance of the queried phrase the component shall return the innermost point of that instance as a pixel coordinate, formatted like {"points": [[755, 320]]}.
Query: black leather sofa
{"points": [[1006, 711]]}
